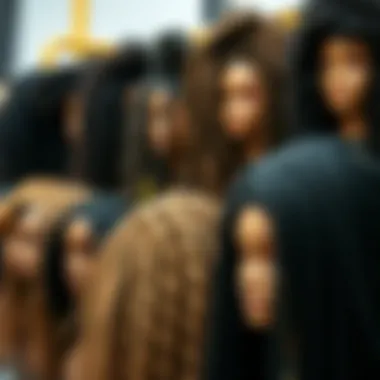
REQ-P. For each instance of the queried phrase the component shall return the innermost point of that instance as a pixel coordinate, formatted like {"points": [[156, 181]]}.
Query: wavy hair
{"points": [[146, 315], [254, 38], [25, 303]]}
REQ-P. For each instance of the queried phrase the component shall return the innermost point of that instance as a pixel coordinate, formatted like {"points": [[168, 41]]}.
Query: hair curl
{"points": [[254, 38], [146, 315]]}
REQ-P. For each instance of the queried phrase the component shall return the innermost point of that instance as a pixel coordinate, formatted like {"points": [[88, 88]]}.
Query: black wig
{"points": [[105, 117], [103, 212], [31, 125], [321, 19]]}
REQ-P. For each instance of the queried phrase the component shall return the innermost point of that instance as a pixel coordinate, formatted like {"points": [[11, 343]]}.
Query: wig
{"points": [[105, 127], [31, 125], [103, 212], [243, 36], [167, 59], [145, 317], [169, 54], [4, 192], [320, 20], [26, 310]]}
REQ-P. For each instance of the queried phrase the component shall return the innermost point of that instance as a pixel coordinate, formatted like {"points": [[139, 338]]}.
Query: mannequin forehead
{"points": [[253, 225], [238, 72], [341, 43]]}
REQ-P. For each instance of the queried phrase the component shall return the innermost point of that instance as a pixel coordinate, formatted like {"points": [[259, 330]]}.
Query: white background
{"points": [[267, 5], [40, 20]]}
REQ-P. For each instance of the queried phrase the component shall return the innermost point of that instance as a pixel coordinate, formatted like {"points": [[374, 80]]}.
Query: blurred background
{"points": [[29, 27]]}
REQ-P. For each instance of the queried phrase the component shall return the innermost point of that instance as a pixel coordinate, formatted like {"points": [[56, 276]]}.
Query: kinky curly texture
{"points": [[145, 316]]}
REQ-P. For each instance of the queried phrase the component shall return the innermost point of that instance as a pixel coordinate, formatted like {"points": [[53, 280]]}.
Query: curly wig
{"points": [[145, 318], [247, 36]]}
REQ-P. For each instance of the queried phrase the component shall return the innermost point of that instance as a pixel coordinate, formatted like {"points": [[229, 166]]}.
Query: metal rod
{"points": [[80, 17]]}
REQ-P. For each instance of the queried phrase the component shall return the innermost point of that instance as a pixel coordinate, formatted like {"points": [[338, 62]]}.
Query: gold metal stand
{"points": [[78, 42], [290, 19]]}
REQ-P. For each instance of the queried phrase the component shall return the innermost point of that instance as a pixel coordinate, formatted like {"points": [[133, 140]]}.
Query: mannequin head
{"points": [[256, 273], [168, 56], [106, 116], [79, 258], [236, 95], [345, 75], [335, 76], [72, 251], [159, 128], [243, 99], [24, 246]]}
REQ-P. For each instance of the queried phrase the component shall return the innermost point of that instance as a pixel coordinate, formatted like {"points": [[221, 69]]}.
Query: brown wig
{"points": [[152, 173], [50, 192], [25, 314], [250, 37], [145, 318]]}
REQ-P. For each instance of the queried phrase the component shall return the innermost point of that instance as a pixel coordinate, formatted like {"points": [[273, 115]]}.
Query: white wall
{"points": [[268, 5], [112, 19]]}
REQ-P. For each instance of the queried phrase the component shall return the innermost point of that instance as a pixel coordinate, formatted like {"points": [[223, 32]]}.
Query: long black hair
{"points": [[104, 120], [321, 19], [31, 125], [103, 212]]}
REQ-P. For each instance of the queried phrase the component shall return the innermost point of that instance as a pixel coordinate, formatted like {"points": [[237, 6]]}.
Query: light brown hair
{"points": [[25, 312], [145, 318]]}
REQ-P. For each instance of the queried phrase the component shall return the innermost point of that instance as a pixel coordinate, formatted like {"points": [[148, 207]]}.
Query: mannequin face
{"points": [[346, 71], [256, 269], [159, 122], [79, 260], [243, 102], [23, 248]]}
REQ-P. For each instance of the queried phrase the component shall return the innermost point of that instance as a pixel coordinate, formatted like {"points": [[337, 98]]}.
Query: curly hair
{"points": [[54, 194], [251, 37], [145, 318]]}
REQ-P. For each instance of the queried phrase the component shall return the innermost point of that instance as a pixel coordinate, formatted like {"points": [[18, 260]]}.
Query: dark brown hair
{"points": [[253, 38]]}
